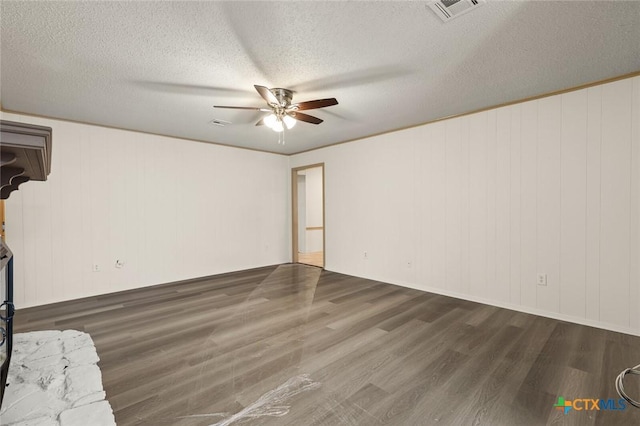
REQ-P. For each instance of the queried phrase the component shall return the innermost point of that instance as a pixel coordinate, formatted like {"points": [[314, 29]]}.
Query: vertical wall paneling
{"points": [[493, 291], [156, 215], [502, 287], [88, 280], [478, 209], [169, 228], [529, 203], [593, 202], [176, 202], [419, 213], [615, 202], [120, 186], [154, 202], [547, 186], [336, 208], [65, 168], [438, 213], [192, 212], [424, 205], [465, 201], [452, 206], [573, 157], [407, 202], [515, 204], [549, 201], [135, 224], [58, 248], [99, 144], [136, 219]]}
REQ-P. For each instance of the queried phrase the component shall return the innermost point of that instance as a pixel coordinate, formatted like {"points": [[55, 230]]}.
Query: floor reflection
{"points": [[266, 334]]}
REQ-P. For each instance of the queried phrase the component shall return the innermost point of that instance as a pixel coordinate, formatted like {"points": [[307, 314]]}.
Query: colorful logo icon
{"points": [[589, 404], [563, 405]]}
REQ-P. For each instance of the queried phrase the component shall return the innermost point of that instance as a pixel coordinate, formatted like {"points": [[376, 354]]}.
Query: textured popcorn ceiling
{"points": [[160, 66]]}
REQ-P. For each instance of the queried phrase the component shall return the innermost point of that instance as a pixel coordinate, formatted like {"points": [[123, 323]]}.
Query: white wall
{"points": [[302, 211], [314, 237], [171, 209], [472, 207], [476, 206]]}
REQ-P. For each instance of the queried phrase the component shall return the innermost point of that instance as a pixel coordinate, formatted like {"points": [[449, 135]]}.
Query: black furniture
{"points": [[6, 313]]}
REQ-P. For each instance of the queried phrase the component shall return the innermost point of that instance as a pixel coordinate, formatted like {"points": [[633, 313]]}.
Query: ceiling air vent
{"points": [[449, 9]]}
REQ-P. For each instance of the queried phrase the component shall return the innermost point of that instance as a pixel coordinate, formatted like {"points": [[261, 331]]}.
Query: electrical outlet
{"points": [[119, 263], [365, 255], [542, 279], [409, 264], [95, 267]]}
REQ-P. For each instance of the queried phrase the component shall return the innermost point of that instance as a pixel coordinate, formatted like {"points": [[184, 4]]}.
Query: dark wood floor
{"points": [[381, 354]]}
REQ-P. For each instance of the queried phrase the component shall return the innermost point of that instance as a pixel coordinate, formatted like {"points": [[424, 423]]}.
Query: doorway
{"points": [[307, 195]]}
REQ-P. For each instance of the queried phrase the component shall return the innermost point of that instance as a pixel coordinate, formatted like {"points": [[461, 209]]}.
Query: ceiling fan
{"points": [[282, 112]]}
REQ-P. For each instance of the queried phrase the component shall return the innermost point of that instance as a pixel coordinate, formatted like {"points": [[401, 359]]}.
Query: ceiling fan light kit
{"points": [[289, 121], [282, 113], [277, 126], [278, 123], [270, 120]]}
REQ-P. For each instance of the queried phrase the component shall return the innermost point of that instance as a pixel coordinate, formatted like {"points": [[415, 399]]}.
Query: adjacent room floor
{"points": [[296, 345], [314, 259]]}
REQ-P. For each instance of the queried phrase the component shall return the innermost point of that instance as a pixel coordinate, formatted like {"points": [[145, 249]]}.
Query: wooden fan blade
{"points": [[267, 95], [237, 107], [318, 103], [305, 117]]}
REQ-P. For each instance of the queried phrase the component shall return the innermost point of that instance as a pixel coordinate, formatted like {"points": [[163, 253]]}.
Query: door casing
{"points": [[294, 211]]}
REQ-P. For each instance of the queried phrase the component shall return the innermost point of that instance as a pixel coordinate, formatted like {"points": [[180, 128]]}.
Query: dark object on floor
{"points": [[6, 314]]}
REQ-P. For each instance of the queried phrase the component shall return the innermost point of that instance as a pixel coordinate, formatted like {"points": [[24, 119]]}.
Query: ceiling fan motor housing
{"points": [[284, 96]]}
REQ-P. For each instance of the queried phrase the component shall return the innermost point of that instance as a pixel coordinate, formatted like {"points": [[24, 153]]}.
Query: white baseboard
{"points": [[512, 306]]}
